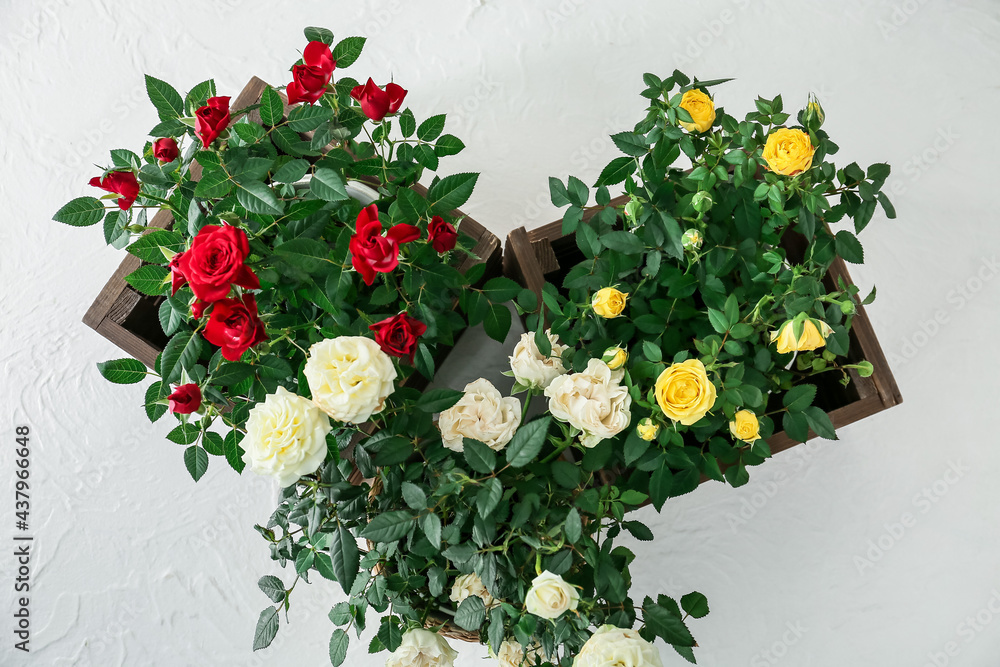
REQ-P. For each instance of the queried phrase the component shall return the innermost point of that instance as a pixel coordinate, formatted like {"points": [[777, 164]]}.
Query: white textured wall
{"points": [[137, 565]]}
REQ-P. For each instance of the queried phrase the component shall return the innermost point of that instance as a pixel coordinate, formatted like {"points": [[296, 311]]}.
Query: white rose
{"points": [[617, 646], [512, 654], [530, 367], [550, 596], [286, 437], [471, 584], [349, 377], [422, 648], [592, 401], [482, 414]]}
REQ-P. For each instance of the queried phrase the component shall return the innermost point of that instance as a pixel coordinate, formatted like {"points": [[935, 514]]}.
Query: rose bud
{"points": [[123, 183], [375, 102], [165, 149], [691, 240], [647, 429], [211, 119], [441, 234], [311, 78], [814, 116], [615, 357], [701, 201], [185, 399], [398, 335]]}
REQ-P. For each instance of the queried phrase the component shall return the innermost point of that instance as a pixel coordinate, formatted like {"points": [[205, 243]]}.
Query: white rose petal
{"points": [[483, 414], [592, 401], [512, 654], [469, 585], [530, 367], [349, 377], [422, 648], [617, 646], [286, 437], [550, 596]]}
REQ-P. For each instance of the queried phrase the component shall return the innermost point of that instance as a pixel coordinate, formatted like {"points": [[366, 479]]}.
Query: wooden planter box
{"points": [[544, 254], [129, 319]]}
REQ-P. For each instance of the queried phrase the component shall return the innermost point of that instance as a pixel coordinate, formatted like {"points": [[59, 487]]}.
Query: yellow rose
{"points": [[788, 152], [684, 392], [812, 336], [609, 302], [701, 108], [615, 357], [745, 426], [648, 429]]}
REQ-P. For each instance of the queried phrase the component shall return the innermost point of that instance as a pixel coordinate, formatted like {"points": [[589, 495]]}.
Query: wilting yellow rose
{"points": [[609, 302], [812, 337], [702, 110], [615, 357], [788, 151], [648, 429], [684, 392], [745, 426]]}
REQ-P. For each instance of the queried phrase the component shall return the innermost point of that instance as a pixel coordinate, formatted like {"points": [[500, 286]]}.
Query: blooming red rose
{"points": [[123, 183], [185, 399], [165, 149], [234, 326], [373, 253], [211, 119], [375, 102], [397, 335], [441, 234], [310, 79], [215, 261]]}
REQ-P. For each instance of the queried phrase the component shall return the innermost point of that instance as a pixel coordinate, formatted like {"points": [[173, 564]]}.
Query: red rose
{"points": [[165, 149], [373, 253], [375, 102], [123, 183], [214, 262], [198, 308], [441, 234], [177, 279], [185, 399], [234, 326], [311, 78], [397, 335], [211, 119]]}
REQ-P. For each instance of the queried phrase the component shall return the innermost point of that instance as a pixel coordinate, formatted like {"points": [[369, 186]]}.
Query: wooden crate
{"points": [[130, 319], [544, 253]]}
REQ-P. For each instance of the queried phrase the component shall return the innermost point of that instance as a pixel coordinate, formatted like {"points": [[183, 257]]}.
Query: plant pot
{"points": [[545, 255]]}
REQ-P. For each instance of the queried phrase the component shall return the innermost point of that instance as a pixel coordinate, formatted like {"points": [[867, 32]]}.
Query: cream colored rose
{"points": [[592, 401], [788, 151], [349, 377], [483, 414], [471, 585], [550, 596], [620, 647], [530, 367], [745, 426], [811, 338], [512, 654], [286, 437], [702, 109], [422, 648]]}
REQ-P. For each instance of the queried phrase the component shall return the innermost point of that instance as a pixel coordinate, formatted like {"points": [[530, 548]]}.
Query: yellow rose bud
{"points": [[813, 336], [684, 392], [702, 110], [615, 357], [788, 152], [648, 429], [814, 113], [609, 302], [745, 426], [691, 240]]}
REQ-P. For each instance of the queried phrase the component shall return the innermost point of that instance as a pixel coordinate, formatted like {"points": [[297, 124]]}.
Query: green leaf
{"points": [[407, 124], [639, 531], [849, 247], [272, 587], [213, 185], [527, 442], [184, 434], [291, 171], [81, 212], [234, 453], [196, 460], [577, 191], [566, 474], [479, 456], [307, 117], [305, 253], [198, 96], [154, 410], [820, 423], [665, 625], [167, 101], [438, 400], [796, 427], [497, 322], [660, 484], [448, 144], [695, 604], [489, 496], [501, 290], [345, 556], [328, 185], [557, 192], [314, 34], [451, 192], [471, 613], [652, 352], [212, 442], [388, 527], [718, 320], [430, 129], [122, 371], [393, 450], [431, 525], [573, 526], [267, 628], [630, 143], [347, 50], [414, 496], [115, 233], [799, 397], [181, 352], [339, 642], [147, 248], [617, 171], [890, 210], [257, 198], [623, 242], [272, 110], [149, 279], [232, 373]]}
